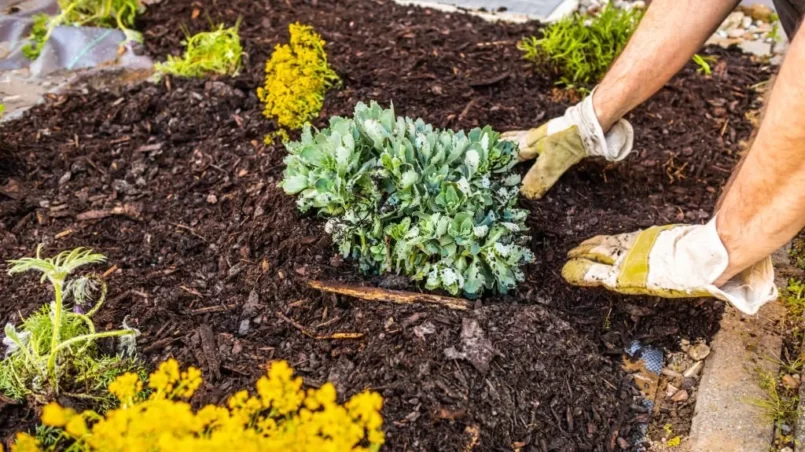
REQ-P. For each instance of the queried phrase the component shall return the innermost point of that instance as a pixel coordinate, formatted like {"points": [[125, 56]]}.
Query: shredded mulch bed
{"points": [[213, 258]]}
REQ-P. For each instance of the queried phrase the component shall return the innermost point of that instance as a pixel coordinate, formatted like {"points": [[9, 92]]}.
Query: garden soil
{"points": [[173, 183]]}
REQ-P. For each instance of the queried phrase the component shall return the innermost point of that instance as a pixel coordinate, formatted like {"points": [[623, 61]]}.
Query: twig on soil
{"points": [[491, 81], [307, 333], [63, 234], [395, 296], [111, 270], [190, 230], [128, 210], [467, 109], [211, 309]]}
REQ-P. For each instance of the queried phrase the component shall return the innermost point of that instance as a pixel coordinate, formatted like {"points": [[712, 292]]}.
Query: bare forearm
{"points": [[668, 36], [764, 207]]}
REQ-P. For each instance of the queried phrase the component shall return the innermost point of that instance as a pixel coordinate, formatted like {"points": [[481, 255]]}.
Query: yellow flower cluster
{"points": [[281, 415], [297, 77]]}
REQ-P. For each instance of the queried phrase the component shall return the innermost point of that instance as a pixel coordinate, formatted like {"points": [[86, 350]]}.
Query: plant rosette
{"points": [[404, 197]]}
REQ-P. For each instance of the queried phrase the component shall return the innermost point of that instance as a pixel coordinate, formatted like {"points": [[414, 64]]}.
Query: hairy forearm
{"points": [[668, 36], [764, 207]]}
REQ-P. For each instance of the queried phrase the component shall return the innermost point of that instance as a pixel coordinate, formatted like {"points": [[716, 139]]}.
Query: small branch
{"points": [[394, 296], [211, 309], [132, 211], [307, 333]]}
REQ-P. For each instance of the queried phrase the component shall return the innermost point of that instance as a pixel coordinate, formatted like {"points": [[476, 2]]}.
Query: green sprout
{"points": [[212, 52], [581, 48], [99, 13], [774, 34], [2, 109], [704, 63], [55, 343]]}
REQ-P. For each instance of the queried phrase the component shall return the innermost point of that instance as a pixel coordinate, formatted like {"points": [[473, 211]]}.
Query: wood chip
{"points": [[63, 233], [107, 273], [395, 296]]}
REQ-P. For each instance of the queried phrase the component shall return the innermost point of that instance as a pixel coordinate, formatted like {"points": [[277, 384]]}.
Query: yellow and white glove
{"points": [[562, 142], [674, 261]]}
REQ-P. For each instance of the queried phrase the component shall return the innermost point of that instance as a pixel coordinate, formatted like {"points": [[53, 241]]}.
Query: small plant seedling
{"points": [[704, 63], [793, 297], [212, 52], [99, 13], [581, 48], [2, 109], [404, 197], [297, 78], [54, 350]]}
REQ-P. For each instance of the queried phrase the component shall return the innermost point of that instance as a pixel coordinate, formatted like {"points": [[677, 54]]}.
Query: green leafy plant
{"points": [[793, 297], [38, 36], [212, 52], [56, 345], [98, 13], [704, 63], [581, 48], [404, 197]]}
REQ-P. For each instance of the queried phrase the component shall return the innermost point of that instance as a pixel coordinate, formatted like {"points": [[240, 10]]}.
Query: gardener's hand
{"points": [[562, 142], [672, 261]]}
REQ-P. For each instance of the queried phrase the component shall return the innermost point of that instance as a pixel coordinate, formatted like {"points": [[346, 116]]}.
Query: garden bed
{"points": [[214, 259]]}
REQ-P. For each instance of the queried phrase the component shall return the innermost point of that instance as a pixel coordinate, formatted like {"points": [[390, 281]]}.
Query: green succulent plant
{"points": [[404, 197]]}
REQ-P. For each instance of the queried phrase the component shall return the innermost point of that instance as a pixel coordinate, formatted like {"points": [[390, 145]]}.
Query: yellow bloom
{"points": [[24, 443], [280, 416], [297, 77], [53, 415], [126, 387]]}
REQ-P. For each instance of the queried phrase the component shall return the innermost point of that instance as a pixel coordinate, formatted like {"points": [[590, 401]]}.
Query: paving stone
{"points": [[724, 421]]}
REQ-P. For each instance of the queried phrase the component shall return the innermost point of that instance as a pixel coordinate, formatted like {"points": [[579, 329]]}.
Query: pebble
{"points": [[699, 352], [786, 449], [789, 382], [785, 428], [680, 396], [736, 33], [670, 390], [694, 369], [245, 326]]}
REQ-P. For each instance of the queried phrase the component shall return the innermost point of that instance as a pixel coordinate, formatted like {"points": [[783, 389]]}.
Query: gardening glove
{"points": [[562, 142], [674, 261]]}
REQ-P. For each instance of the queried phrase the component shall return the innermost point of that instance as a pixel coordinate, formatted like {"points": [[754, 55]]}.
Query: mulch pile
{"points": [[214, 258]]}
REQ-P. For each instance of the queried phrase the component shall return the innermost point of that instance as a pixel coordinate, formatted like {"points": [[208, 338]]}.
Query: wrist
{"points": [[731, 235], [607, 116]]}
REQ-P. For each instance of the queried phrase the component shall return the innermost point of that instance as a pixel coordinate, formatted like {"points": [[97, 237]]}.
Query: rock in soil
{"points": [[699, 352]]}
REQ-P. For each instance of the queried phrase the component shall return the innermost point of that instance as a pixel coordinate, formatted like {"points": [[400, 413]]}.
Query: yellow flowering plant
{"points": [[56, 346], [279, 415], [297, 78]]}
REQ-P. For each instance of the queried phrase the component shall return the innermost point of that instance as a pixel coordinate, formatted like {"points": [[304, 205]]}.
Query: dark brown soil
{"points": [[213, 257]]}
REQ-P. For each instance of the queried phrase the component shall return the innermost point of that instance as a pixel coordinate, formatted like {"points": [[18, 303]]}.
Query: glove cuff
{"points": [[748, 290], [614, 145]]}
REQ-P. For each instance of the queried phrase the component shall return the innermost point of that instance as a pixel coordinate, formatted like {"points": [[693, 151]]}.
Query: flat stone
{"points": [[757, 48], [724, 420]]}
